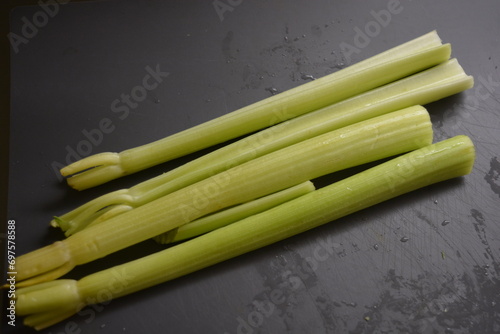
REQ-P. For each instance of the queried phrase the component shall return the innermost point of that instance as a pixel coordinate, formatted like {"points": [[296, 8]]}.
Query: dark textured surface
{"points": [[427, 262]]}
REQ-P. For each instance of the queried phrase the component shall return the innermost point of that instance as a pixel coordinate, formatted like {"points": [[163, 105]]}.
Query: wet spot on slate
{"points": [[493, 175]]}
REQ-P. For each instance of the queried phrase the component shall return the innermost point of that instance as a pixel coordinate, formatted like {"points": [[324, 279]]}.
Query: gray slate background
{"points": [[427, 262]]}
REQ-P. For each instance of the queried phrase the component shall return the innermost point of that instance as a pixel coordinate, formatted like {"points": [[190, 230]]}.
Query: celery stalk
{"points": [[421, 88], [398, 62], [373, 139], [219, 219], [48, 303]]}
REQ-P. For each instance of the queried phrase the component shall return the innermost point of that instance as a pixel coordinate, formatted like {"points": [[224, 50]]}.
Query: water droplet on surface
{"points": [[445, 222], [286, 38], [435, 201], [157, 101], [307, 77], [272, 90], [404, 239], [376, 246], [351, 304]]}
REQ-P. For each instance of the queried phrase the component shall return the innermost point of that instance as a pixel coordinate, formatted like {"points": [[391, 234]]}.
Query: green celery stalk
{"points": [[51, 302], [373, 139], [219, 219], [398, 62], [428, 86]]}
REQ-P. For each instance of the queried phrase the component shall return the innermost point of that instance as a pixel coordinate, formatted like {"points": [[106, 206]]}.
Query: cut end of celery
{"points": [[468, 154], [48, 303], [94, 170], [57, 223], [44, 264]]}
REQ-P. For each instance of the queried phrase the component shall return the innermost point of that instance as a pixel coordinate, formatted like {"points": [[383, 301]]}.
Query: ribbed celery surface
{"points": [[428, 86], [366, 141], [51, 302], [225, 217], [398, 62]]}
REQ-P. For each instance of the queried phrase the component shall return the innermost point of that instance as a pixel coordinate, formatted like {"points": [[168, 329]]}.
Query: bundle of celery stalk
{"points": [[258, 190]]}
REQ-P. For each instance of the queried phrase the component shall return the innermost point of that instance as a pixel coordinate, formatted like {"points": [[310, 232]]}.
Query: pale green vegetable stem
{"points": [[398, 62], [47, 303], [373, 139], [228, 216], [421, 88]]}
